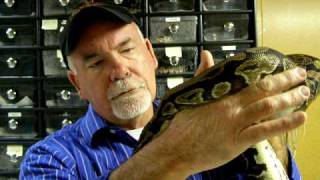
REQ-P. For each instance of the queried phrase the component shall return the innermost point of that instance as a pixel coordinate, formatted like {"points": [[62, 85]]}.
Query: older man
{"points": [[113, 67]]}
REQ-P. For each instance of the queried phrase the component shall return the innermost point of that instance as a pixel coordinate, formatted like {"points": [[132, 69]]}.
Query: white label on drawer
{"points": [[59, 54], [229, 48], [14, 114], [15, 150], [172, 19], [174, 81], [49, 24], [173, 51]]}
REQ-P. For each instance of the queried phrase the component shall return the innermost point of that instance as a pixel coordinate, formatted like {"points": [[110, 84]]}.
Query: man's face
{"points": [[113, 68]]}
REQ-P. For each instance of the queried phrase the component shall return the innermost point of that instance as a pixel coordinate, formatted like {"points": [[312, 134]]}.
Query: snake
{"points": [[227, 78]]}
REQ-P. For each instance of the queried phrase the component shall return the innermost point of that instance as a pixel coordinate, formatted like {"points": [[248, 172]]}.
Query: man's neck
{"points": [[138, 122]]}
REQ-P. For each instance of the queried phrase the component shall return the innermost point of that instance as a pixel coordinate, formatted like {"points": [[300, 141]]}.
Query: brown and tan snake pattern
{"points": [[226, 78]]}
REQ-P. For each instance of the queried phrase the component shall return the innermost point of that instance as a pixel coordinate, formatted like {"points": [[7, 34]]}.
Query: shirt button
{"points": [[112, 131]]}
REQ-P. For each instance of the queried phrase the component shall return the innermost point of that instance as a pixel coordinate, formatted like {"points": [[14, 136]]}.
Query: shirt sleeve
{"points": [[293, 170], [42, 162]]}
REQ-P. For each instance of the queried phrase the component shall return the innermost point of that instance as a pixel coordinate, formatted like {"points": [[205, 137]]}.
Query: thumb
{"points": [[206, 61]]}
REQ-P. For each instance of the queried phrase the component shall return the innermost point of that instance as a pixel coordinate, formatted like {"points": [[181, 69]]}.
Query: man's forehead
{"points": [[101, 37], [114, 33]]}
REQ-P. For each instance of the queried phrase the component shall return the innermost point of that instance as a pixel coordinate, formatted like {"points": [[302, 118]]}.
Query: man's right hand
{"points": [[211, 135]]}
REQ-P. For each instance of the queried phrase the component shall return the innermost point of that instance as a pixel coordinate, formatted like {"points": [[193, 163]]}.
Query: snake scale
{"points": [[227, 78]]}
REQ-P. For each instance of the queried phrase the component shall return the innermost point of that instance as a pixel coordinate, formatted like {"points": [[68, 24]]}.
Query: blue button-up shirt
{"points": [[91, 149]]}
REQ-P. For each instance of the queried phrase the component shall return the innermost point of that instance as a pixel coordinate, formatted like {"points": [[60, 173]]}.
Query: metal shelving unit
{"points": [[40, 108]]}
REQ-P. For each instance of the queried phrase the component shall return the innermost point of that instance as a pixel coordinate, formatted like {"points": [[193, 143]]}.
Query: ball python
{"points": [[226, 78]]}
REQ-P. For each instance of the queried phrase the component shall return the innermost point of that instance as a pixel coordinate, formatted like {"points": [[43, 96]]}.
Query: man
{"points": [[113, 67]]}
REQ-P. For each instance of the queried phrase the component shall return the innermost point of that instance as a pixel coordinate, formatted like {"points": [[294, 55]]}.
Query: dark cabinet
{"points": [[36, 98]]}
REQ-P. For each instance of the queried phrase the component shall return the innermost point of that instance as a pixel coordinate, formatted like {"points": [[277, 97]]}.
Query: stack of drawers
{"points": [[36, 98], [180, 29], [19, 123]]}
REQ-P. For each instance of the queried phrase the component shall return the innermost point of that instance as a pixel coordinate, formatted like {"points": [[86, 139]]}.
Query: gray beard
{"points": [[131, 106]]}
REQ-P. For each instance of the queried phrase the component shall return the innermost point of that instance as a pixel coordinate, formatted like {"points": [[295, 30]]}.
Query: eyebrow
{"points": [[91, 56], [123, 42]]}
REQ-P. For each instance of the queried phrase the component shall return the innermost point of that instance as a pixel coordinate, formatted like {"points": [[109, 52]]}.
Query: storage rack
{"points": [[39, 78]]}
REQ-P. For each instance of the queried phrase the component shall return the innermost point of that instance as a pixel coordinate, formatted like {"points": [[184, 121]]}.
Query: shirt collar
{"points": [[93, 125], [93, 122]]}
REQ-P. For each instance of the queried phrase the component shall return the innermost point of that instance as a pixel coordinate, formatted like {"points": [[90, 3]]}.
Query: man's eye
{"points": [[128, 50], [95, 64]]}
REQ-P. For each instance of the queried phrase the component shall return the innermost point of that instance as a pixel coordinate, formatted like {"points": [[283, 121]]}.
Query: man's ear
{"points": [[151, 51], [73, 78]]}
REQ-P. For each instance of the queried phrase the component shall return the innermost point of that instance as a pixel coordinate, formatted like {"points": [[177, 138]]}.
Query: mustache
{"points": [[124, 85]]}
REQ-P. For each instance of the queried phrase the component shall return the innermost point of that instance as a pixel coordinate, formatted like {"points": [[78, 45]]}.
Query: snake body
{"points": [[227, 78]]}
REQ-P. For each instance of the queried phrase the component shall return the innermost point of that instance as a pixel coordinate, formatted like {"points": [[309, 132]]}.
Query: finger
{"points": [[205, 62], [272, 85], [274, 105], [265, 130]]}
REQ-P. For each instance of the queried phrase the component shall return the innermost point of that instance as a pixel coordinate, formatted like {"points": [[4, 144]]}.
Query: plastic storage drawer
{"points": [[17, 62], [15, 124], [171, 5], [16, 7], [179, 29], [176, 60], [17, 94], [226, 27], [62, 94]]}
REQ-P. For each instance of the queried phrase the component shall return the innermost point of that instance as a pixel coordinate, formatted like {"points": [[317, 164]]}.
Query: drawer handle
{"points": [[64, 3], [173, 28], [65, 95], [229, 54], [14, 158], [11, 33], [173, 1], [11, 94], [13, 124], [66, 122], [227, 1], [229, 26], [9, 3], [174, 60], [12, 63]]}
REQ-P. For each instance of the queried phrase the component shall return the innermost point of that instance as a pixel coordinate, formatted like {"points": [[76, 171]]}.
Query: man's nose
{"points": [[119, 71]]}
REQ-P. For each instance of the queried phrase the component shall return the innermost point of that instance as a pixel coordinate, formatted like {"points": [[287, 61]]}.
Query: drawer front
{"points": [[59, 95], [173, 29], [17, 7], [18, 124], [51, 31], [176, 60], [222, 27], [60, 7], [17, 94], [212, 5], [11, 156], [134, 6], [53, 63], [9, 176], [164, 84], [171, 5], [17, 63], [222, 52], [17, 34], [57, 120]]}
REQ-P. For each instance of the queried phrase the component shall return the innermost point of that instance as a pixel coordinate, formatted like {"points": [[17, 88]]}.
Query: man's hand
{"points": [[210, 135], [205, 63]]}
